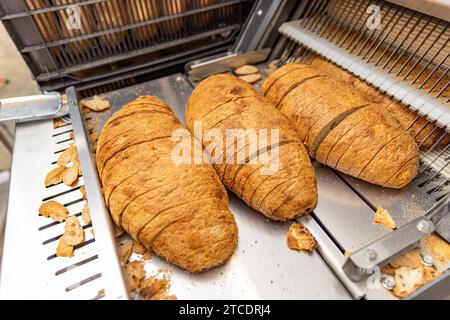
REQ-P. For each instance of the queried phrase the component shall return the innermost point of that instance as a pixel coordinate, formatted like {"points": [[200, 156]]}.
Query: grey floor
{"points": [[13, 67]]}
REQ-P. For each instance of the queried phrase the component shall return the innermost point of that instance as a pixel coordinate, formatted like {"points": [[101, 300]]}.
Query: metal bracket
{"points": [[200, 69], [30, 108], [365, 261], [115, 286]]}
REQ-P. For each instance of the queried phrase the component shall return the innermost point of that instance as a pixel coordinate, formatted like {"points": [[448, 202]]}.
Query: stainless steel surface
{"points": [[364, 262], [286, 274], [372, 289], [29, 266], [440, 216], [115, 286], [30, 108], [198, 70], [264, 13], [343, 213]]}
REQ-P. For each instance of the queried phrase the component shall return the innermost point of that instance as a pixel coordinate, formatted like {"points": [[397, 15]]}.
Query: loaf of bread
{"points": [[86, 26], [178, 210], [111, 14], [424, 132], [141, 11], [171, 8], [223, 102], [341, 128]]}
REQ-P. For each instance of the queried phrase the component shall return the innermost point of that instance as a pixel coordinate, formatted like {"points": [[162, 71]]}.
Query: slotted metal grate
{"points": [[68, 38], [78, 277]]}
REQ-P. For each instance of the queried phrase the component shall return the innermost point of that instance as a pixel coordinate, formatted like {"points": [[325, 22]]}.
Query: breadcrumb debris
{"points": [[96, 104], [299, 238], [383, 217], [54, 210]]}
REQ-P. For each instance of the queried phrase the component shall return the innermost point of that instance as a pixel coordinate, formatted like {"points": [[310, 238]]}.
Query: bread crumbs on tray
{"points": [[408, 280], [383, 217], [73, 232], [54, 210], [299, 238], [85, 214], [73, 235], [67, 156], [55, 176], [83, 192]]}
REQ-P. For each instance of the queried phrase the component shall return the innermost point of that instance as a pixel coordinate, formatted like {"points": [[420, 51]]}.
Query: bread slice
{"points": [[277, 74]]}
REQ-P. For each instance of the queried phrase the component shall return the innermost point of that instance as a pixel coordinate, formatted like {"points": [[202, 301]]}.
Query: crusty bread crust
{"points": [[424, 133], [343, 130], [180, 211], [289, 192]]}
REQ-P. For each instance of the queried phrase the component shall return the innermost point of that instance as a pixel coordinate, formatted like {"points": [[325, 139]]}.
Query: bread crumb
{"points": [[55, 176], [73, 232], [125, 251], [83, 192], [96, 104], [246, 70], [94, 136], [251, 78], [407, 280], [383, 217], [63, 249], [70, 175], [155, 289], [147, 255], [411, 259], [134, 274], [54, 210], [58, 122], [85, 214], [347, 253], [299, 238], [67, 156]]}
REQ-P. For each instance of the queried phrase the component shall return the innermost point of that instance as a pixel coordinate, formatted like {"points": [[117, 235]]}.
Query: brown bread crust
{"points": [[342, 129], [180, 211], [278, 196], [424, 133]]}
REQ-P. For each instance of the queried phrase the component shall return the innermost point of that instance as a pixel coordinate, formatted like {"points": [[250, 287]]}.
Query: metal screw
{"points": [[259, 12], [371, 254], [425, 226], [388, 282], [427, 260]]}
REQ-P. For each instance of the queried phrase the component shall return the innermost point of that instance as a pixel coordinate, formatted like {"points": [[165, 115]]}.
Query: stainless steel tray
{"points": [[262, 267]]}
